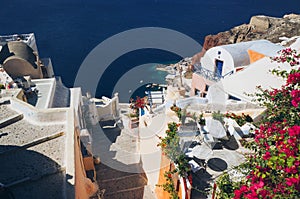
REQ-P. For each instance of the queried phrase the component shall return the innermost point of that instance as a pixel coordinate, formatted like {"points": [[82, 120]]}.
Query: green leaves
{"points": [[170, 146], [290, 161], [169, 186], [218, 116]]}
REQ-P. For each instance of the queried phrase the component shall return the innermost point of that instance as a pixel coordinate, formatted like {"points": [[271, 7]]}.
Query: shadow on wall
{"points": [[23, 170], [111, 130], [32, 98]]}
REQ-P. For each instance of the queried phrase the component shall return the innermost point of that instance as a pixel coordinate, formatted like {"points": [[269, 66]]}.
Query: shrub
{"points": [[273, 168]]}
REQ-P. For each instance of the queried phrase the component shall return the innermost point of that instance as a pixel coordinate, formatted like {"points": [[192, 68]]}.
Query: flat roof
{"points": [[45, 93], [266, 48], [256, 74], [32, 156]]}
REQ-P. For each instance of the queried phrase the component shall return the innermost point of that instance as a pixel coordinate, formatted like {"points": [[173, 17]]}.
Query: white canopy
{"points": [[215, 128]]}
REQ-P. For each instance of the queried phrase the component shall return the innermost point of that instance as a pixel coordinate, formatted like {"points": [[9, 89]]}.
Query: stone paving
{"points": [[120, 173], [30, 157], [6, 112]]}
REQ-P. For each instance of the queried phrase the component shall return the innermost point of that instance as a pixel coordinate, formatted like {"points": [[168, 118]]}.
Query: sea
{"points": [[67, 31]]}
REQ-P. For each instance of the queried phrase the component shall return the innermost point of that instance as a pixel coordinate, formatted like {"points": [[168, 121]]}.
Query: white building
{"points": [[45, 146], [221, 61], [227, 59], [296, 44]]}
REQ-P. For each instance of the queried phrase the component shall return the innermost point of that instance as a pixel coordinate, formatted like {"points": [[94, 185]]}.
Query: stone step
{"points": [[149, 193], [125, 145], [10, 120], [132, 193], [107, 174], [125, 137], [122, 183]]}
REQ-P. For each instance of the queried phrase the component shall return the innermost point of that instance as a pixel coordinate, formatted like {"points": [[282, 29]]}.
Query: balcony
{"points": [[207, 74]]}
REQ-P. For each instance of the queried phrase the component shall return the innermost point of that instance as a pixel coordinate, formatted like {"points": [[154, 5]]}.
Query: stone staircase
{"points": [[120, 173], [117, 184]]}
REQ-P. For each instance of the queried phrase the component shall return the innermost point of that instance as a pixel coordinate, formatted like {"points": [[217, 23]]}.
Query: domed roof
{"points": [[18, 49]]}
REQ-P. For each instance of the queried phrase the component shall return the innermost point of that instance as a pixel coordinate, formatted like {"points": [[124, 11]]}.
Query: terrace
{"points": [[32, 156]]}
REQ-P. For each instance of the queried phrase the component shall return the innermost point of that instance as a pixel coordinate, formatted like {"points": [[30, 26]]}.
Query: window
{"points": [[206, 87], [233, 98]]}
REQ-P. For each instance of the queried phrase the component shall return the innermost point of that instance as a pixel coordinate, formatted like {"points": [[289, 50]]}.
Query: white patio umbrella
{"points": [[217, 97], [215, 128]]}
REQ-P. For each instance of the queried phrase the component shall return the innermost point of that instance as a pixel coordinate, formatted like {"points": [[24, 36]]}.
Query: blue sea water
{"points": [[67, 31]]}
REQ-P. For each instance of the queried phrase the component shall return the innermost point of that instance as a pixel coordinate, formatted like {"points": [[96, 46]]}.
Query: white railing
{"points": [[210, 75], [160, 109], [201, 104], [27, 38]]}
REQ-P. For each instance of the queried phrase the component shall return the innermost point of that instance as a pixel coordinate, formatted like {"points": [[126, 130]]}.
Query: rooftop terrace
{"points": [[32, 156]]}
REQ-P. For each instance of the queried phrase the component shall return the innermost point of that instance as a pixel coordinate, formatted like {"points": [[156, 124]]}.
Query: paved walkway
{"points": [[120, 173]]}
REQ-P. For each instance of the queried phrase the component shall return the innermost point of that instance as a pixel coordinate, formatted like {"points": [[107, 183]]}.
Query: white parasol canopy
{"points": [[215, 128]]}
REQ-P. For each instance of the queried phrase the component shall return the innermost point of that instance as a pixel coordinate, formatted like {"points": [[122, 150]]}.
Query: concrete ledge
{"points": [[39, 116], [12, 119], [34, 142]]}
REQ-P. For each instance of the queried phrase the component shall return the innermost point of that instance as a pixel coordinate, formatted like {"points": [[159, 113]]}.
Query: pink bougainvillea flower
{"points": [[274, 164], [294, 78], [294, 131], [267, 155], [292, 181]]}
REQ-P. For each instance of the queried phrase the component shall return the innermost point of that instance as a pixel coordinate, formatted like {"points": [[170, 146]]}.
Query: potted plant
{"points": [[177, 110], [218, 116], [201, 120], [135, 105]]}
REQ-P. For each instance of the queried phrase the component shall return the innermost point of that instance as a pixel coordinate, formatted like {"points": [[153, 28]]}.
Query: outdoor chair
{"points": [[209, 140], [206, 137], [195, 166]]}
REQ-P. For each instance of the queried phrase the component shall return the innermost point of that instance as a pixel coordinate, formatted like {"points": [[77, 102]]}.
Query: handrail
{"points": [[208, 74]]}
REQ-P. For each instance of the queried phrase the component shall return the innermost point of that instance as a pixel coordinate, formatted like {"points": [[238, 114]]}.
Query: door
{"points": [[219, 67]]}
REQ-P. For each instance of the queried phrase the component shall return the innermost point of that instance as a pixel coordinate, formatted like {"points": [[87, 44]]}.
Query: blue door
{"points": [[219, 67]]}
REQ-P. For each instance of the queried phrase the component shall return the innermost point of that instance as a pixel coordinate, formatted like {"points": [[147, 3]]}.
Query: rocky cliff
{"points": [[260, 27]]}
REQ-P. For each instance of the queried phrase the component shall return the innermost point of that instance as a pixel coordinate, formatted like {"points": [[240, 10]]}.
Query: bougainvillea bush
{"points": [[138, 103], [273, 168], [171, 148], [288, 55]]}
